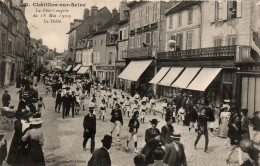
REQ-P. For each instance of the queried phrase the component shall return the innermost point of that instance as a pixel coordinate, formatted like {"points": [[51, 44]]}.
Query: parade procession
{"points": [[129, 83]]}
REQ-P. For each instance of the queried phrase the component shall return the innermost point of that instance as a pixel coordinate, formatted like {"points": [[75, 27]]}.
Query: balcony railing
{"points": [[236, 52], [138, 52]]}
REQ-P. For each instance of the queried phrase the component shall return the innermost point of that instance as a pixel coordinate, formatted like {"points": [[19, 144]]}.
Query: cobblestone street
{"points": [[63, 139]]}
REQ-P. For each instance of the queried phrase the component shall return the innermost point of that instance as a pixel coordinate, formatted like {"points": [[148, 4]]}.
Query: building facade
{"points": [[205, 52], [147, 26], [105, 50], [80, 28]]}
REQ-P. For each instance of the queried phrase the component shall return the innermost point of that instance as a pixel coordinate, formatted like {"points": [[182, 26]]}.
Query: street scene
{"points": [[125, 83]]}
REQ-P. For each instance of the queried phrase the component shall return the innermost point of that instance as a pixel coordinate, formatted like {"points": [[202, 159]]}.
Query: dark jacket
{"points": [[256, 123], [116, 115], [73, 100], [133, 125], [166, 132], [6, 98], [173, 157], [245, 127], [90, 124], [66, 100], [100, 157], [151, 144], [202, 122], [3, 152], [58, 98], [234, 133], [21, 105]]}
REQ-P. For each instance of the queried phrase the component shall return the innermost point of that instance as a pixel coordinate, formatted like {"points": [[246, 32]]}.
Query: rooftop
{"points": [[181, 6]]}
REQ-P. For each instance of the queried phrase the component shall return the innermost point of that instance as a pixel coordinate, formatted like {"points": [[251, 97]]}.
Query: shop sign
{"points": [[121, 64], [105, 67]]}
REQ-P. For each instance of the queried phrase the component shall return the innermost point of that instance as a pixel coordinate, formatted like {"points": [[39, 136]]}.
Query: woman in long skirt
{"points": [[224, 120], [35, 136]]}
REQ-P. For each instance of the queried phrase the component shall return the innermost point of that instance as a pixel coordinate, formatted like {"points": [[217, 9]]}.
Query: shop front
{"points": [[7, 70], [120, 66], [248, 79], [213, 84], [137, 74], [106, 74]]}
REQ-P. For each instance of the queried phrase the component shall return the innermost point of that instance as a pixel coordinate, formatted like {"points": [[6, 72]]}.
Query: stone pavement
{"points": [[63, 139]]}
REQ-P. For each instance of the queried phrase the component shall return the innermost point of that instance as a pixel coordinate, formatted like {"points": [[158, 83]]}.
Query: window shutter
{"points": [[211, 14], [148, 38], [234, 40], [239, 9], [223, 10]]}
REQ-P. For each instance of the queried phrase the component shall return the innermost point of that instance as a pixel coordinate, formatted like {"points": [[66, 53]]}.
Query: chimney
{"points": [[86, 14], [94, 10], [114, 12]]}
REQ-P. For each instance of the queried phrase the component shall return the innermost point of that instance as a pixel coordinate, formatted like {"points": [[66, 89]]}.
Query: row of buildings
{"points": [[14, 40], [208, 48], [18, 51]]}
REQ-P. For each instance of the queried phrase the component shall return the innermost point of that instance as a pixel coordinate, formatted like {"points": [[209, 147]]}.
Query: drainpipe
{"points": [[200, 25]]}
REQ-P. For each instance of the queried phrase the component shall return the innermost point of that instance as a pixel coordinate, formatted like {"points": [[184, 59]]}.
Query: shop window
{"points": [[227, 91]]}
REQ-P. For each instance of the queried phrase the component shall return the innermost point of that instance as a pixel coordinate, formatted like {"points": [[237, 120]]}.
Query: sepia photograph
{"points": [[129, 83]]}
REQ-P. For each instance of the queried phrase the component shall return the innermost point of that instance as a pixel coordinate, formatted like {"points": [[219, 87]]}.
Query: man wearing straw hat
{"points": [[174, 152]]}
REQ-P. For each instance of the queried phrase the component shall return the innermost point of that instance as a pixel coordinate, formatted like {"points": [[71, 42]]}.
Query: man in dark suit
{"points": [[167, 131], [6, 98], [152, 139], [22, 104], [73, 103], [66, 103], [89, 125], [174, 152], [101, 156], [58, 101]]}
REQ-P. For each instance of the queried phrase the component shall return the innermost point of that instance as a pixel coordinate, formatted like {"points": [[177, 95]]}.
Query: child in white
{"points": [[121, 102], [143, 109], [127, 106], [40, 104], [102, 110], [153, 105], [164, 105]]}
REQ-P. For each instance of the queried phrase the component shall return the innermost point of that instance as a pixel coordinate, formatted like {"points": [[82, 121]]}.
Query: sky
{"points": [[54, 34]]}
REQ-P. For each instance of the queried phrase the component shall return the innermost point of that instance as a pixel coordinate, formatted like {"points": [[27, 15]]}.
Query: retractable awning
{"points": [[186, 77], [68, 68], [171, 76], [204, 78], [159, 75], [77, 67], [83, 70], [134, 70]]}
